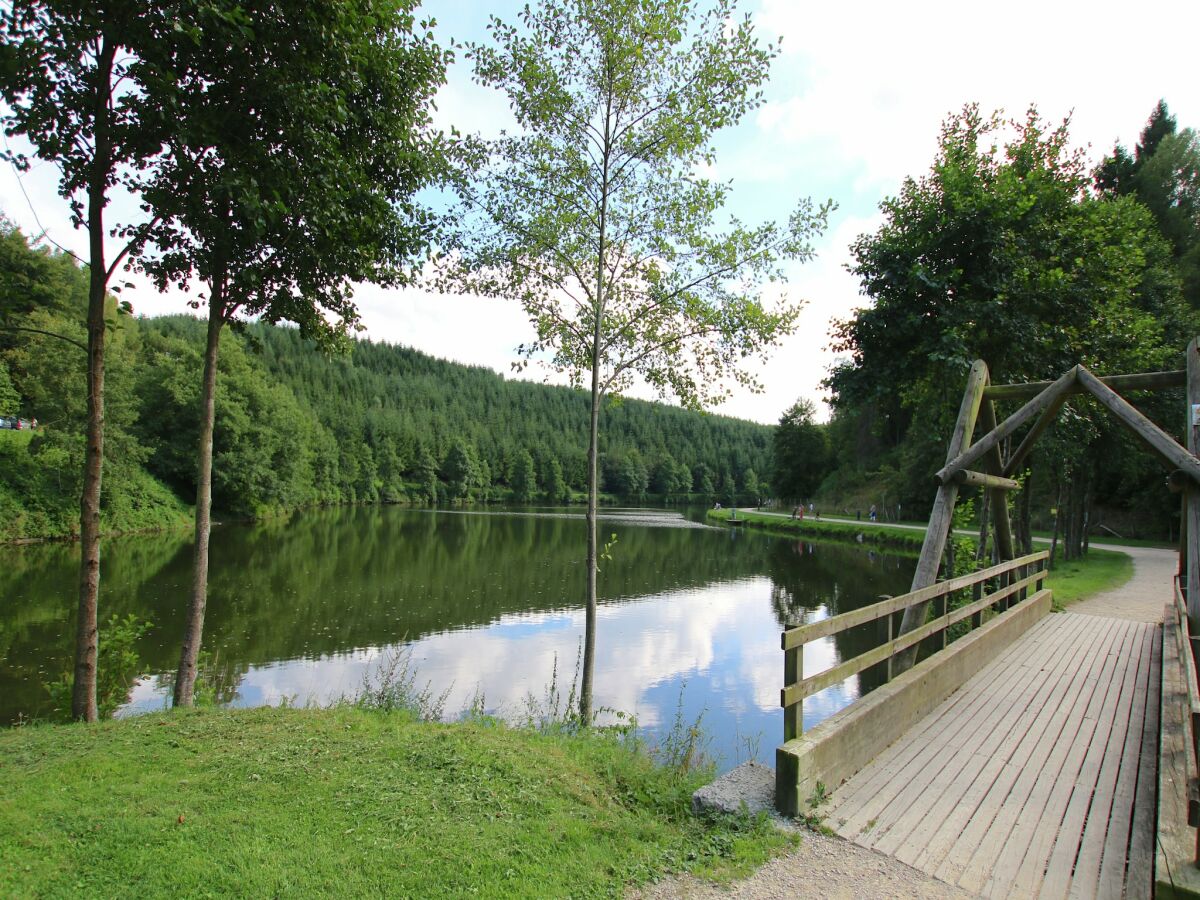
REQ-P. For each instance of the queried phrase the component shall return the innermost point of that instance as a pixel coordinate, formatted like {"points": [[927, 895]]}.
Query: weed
{"points": [[393, 688], [684, 747]]}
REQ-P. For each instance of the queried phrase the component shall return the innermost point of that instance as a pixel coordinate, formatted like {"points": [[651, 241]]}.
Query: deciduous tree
{"points": [[87, 85], [303, 137], [595, 217]]}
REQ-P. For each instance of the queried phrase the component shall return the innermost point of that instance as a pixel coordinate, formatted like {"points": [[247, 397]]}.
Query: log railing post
{"points": [[1191, 523], [941, 518], [793, 673]]}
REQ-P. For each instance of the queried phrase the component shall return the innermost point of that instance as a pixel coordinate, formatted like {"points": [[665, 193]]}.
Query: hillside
{"points": [[296, 426]]}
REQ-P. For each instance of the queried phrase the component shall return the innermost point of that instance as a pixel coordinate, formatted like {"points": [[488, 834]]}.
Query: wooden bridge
{"points": [[1025, 754]]}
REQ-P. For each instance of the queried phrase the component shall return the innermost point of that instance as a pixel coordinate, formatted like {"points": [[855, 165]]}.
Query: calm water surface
{"points": [[304, 609]]}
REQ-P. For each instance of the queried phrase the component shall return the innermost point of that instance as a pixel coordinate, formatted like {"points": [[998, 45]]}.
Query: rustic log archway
{"points": [[1044, 400]]}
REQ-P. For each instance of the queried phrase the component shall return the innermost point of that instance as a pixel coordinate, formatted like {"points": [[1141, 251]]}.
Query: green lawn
{"points": [[1100, 570], [816, 530], [344, 802]]}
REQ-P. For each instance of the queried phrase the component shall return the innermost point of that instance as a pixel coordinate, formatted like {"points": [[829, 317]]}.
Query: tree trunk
{"points": [[1058, 517], [589, 634], [984, 510], [87, 639], [1025, 513], [185, 679]]}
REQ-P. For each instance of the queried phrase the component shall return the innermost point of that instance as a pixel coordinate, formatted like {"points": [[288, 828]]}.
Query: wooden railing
{"points": [[1191, 723], [1012, 581]]}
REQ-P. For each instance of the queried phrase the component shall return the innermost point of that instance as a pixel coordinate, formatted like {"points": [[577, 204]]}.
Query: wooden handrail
{"points": [[803, 634], [1188, 663], [794, 693]]}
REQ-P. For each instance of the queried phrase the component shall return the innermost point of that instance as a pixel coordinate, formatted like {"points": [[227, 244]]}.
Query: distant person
{"points": [[858, 515], [717, 505], [874, 513]]}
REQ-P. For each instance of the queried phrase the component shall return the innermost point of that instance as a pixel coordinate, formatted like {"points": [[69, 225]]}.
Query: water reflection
{"points": [[304, 608]]}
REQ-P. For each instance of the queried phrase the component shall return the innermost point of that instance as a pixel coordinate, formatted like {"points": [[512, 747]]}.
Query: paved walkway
{"points": [[1036, 778]]}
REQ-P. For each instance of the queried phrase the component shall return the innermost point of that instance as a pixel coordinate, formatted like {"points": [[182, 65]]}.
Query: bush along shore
{"points": [[350, 801]]}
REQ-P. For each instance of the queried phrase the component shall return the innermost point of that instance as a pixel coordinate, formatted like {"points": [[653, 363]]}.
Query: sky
{"points": [[854, 105]]}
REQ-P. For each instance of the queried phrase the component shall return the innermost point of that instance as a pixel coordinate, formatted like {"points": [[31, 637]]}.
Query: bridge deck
{"points": [[1036, 778]]}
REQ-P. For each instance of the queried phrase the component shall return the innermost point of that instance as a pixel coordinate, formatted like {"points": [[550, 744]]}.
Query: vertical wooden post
{"points": [[891, 637], [1192, 494], [941, 518], [793, 673], [998, 500]]}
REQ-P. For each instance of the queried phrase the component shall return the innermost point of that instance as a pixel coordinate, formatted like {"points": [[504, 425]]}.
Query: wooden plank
{"points": [[911, 836], [997, 775], [957, 720], [962, 801], [1067, 847], [1139, 876], [942, 514], [993, 438], [971, 857], [983, 480], [1092, 645], [1131, 418], [934, 730], [803, 634], [1036, 823], [1102, 814], [1144, 381], [1117, 843], [1175, 872]]}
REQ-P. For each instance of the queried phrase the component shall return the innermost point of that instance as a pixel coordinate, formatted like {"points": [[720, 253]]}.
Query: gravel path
{"points": [[822, 868], [1143, 596]]}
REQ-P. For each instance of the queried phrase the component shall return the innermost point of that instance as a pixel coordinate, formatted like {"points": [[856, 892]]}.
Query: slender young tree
{"points": [[85, 86], [304, 135], [595, 217]]}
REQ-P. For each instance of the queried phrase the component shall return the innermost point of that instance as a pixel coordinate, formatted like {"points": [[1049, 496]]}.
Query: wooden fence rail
{"points": [[1015, 578], [1186, 643]]}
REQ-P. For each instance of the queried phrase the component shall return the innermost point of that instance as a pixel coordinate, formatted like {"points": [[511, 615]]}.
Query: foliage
{"points": [[1001, 253], [157, 797], [304, 134], [1164, 174], [119, 666], [801, 454]]}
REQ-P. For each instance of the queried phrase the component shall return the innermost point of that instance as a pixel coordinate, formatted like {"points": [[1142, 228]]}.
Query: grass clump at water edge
{"points": [[357, 799]]}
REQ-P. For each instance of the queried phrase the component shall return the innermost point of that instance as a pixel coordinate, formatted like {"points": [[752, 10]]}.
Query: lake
{"points": [[484, 604]]}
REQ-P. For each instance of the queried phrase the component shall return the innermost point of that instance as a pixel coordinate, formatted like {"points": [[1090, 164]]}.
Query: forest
{"points": [[1012, 250], [297, 425]]}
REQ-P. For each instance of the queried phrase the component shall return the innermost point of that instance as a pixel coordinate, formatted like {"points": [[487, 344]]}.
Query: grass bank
{"points": [[817, 530], [346, 802], [1100, 570]]}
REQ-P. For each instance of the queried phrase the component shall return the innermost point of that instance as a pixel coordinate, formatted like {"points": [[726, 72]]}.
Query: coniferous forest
{"points": [[298, 426]]}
